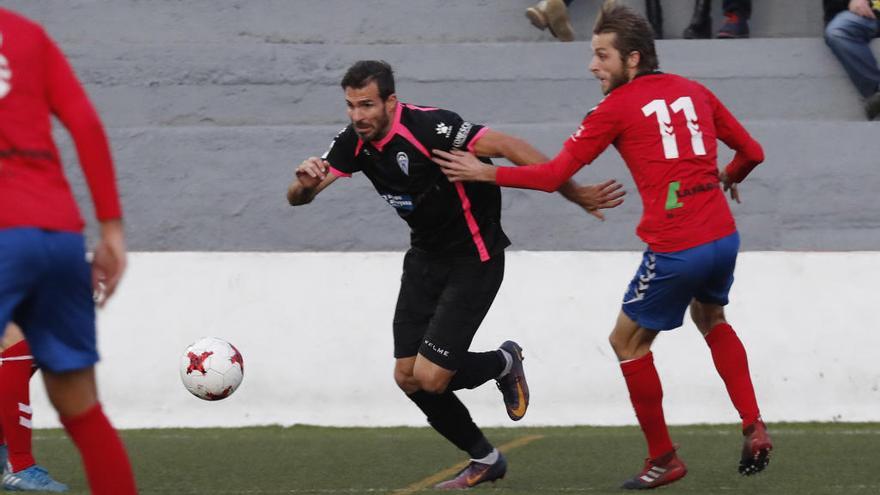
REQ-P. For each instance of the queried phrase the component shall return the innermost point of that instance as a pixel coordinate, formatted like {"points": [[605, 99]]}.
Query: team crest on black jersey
{"points": [[403, 162]]}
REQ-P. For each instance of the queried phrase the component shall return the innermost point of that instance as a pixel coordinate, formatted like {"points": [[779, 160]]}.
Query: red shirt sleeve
{"points": [[599, 129], [69, 102], [749, 153], [543, 176]]}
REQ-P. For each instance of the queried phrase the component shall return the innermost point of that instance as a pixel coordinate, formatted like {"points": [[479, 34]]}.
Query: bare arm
{"points": [[497, 144], [311, 178], [591, 198]]}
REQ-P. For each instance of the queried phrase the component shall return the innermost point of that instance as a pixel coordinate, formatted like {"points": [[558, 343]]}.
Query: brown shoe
{"points": [[552, 14]]}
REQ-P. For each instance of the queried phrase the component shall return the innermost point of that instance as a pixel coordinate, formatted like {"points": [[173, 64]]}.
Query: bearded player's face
{"points": [[369, 114], [607, 64]]}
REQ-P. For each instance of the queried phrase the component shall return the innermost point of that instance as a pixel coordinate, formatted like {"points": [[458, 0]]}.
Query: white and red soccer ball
{"points": [[211, 368]]}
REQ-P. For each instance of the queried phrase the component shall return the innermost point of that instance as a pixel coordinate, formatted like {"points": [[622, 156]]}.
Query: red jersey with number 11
{"points": [[666, 129]]}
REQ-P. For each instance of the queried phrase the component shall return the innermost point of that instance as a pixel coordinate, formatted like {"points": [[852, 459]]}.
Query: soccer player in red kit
{"points": [[46, 284], [665, 128]]}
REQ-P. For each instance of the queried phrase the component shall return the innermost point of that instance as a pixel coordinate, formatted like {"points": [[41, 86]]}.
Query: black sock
{"points": [[450, 418], [477, 368]]}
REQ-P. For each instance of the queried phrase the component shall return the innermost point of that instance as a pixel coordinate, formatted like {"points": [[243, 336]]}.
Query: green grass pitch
{"points": [[808, 459]]}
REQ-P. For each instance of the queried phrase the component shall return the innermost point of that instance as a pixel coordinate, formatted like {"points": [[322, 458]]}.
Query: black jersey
{"points": [[446, 219]]}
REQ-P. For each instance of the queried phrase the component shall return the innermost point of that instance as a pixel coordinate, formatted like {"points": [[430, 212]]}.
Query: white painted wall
{"points": [[315, 332]]}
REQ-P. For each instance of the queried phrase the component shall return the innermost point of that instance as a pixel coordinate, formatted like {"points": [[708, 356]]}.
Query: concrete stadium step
{"points": [[262, 84], [363, 21], [223, 189]]}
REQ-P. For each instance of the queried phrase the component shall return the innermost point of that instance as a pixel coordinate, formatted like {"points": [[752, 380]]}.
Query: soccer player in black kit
{"points": [[455, 265]]}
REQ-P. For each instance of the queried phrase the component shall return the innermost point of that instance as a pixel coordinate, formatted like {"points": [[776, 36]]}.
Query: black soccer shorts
{"points": [[442, 303]]}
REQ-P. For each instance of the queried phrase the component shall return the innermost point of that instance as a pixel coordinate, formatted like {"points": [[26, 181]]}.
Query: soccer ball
{"points": [[211, 368]]}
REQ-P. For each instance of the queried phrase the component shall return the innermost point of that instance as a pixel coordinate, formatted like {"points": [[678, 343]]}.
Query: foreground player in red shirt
{"points": [[46, 284], [665, 128]]}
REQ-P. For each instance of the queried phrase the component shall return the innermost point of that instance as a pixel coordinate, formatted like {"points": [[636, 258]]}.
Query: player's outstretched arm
{"points": [[550, 175], [311, 177], [461, 166]]}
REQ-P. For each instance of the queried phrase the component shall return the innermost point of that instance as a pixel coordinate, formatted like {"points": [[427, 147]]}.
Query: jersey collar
{"points": [[395, 127]]}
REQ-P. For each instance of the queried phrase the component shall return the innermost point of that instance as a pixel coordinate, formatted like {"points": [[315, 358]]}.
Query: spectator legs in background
{"points": [[872, 106], [552, 14], [736, 19], [655, 17], [849, 36], [701, 22]]}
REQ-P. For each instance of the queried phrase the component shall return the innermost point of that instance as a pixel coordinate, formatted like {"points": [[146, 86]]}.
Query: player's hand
{"points": [[461, 166], [312, 171], [596, 197], [728, 185], [109, 261], [861, 8]]}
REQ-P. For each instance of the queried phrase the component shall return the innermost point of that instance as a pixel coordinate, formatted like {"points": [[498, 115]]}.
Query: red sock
{"points": [[733, 366], [15, 404], [646, 395], [104, 456]]}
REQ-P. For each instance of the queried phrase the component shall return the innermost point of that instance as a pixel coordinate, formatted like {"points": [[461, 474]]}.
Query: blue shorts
{"points": [[46, 288], [665, 283]]}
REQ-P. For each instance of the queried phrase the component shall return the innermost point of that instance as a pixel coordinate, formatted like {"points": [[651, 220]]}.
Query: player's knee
{"points": [[834, 35], [406, 381], [72, 392], [432, 383], [629, 348], [707, 316], [619, 346], [434, 387], [613, 341]]}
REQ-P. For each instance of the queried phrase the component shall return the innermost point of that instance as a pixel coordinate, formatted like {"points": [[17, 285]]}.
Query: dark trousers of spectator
{"points": [[849, 36]]}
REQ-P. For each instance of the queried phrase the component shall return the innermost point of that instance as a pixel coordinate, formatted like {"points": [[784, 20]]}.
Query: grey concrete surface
{"points": [[263, 84], [364, 21], [202, 188]]}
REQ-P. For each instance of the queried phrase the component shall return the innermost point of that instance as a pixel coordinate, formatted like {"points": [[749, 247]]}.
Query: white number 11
{"points": [[667, 133]]}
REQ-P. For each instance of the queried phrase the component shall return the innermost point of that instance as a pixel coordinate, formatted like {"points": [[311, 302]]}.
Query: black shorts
{"points": [[441, 304]]}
